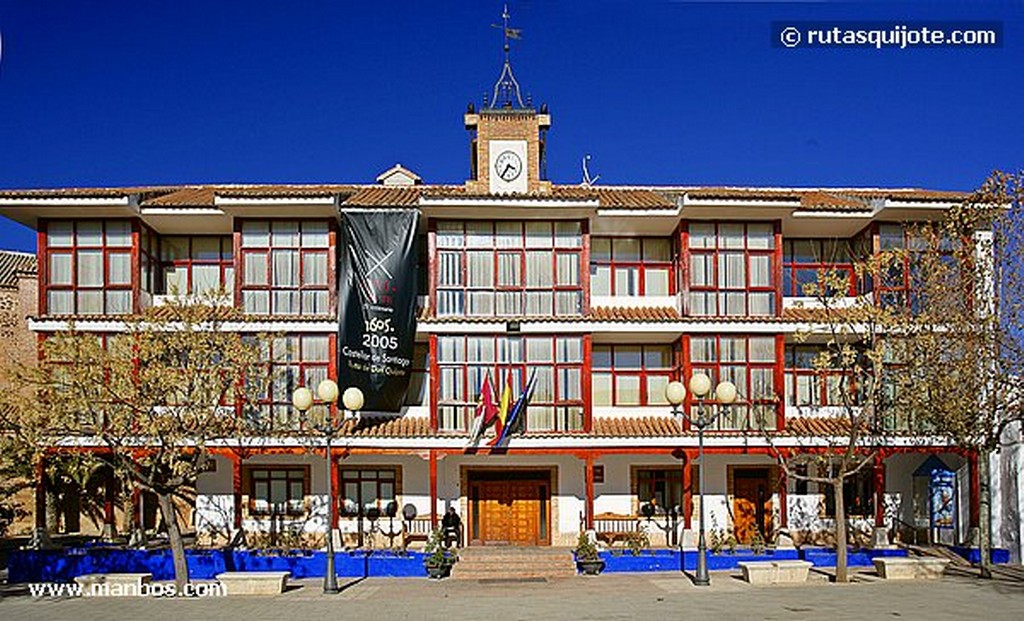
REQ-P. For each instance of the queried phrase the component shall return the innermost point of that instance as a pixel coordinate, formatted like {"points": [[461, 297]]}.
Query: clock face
{"points": [[508, 165]]}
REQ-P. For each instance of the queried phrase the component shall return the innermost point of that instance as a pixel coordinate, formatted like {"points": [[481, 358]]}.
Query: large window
{"points": [[731, 268], [557, 362], [197, 265], [811, 378], [662, 486], [630, 266], [285, 267], [749, 362], [278, 490], [89, 269], [363, 488], [810, 261], [509, 268], [631, 374], [293, 361]]}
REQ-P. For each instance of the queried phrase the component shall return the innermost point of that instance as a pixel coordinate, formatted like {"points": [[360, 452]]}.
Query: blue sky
{"points": [[112, 93]]}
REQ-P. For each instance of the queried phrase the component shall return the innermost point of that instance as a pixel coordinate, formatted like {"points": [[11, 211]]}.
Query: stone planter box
{"points": [[775, 572], [253, 582], [910, 568]]}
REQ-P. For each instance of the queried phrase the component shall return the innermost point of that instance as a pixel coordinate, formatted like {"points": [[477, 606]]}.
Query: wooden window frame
{"points": [[106, 250], [226, 244], [272, 400], [250, 487], [359, 470], [498, 369], [790, 266], [643, 372], [822, 397], [642, 265], [242, 250], [773, 253], [522, 250], [713, 370]]}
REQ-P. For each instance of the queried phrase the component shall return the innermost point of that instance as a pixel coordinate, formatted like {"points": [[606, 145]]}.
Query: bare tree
{"points": [[964, 358], [853, 352], [146, 401]]}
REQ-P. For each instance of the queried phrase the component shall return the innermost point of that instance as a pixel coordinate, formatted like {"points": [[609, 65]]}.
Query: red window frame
{"points": [[713, 369], [823, 396], [270, 287], [225, 262], [520, 372], [773, 253], [463, 251], [272, 403], [642, 372], [791, 267], [641, 265], [106, 251]]}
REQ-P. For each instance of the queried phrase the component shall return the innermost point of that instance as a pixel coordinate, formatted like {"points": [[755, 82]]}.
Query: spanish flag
{"points": [[486, 410], [506, 399], [516, 419]]}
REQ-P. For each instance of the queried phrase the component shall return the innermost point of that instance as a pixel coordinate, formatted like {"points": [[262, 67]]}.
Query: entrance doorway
{"points": [[509, 507], [752, 503]]}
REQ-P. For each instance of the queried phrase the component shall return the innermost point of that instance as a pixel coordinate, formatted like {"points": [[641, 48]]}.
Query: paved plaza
{"points": [[609, 596]]}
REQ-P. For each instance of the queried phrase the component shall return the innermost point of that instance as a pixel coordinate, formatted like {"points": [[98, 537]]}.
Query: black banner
{"points": [[377, 304]]}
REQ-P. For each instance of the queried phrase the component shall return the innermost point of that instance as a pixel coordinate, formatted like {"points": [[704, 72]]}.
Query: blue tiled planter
{"points": [[669, 560], [65, 565], [1000, 556], [824, 557]]}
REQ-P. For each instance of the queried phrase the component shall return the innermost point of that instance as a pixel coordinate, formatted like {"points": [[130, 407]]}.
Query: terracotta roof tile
{"points": [[384, 197], [833, 202], [13, 263], [636, 427], [182, 197], [387, 427], [634, 314], [814, 426]]}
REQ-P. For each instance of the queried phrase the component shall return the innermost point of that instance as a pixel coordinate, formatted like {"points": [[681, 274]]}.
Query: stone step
{"points": [[513, 563]]}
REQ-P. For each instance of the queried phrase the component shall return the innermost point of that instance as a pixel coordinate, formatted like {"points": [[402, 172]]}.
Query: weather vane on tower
{"points": [[506, 90]]}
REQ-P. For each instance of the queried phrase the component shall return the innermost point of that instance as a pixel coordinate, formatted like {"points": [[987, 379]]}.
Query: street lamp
{"points": [[675, 393], [352, 401]]}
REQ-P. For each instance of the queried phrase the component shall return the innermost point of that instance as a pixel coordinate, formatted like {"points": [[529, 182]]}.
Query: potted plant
{"points": [[588, 562], [438, 560]]}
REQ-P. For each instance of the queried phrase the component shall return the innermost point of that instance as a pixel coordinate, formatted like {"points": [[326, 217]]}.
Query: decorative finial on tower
{"points": [[506, 90]]}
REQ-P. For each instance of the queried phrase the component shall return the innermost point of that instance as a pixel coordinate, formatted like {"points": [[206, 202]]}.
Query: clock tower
{"points": [[507, 137]]}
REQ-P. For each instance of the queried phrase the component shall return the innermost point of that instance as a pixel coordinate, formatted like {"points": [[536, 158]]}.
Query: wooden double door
{"points": [[509, 508], [752, 504]]}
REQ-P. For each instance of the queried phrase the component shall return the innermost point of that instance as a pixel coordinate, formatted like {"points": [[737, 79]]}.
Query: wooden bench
{"points": [[775, 572], [611, 527], [418, 529], [122, 584], [254, 582], [902, 568]]}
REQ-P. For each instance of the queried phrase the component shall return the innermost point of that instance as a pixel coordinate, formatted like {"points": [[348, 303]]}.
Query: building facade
{"points": [[603, 294]]}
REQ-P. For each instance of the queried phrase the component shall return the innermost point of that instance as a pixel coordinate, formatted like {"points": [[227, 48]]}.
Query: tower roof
{"points": [[506, 94]]}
